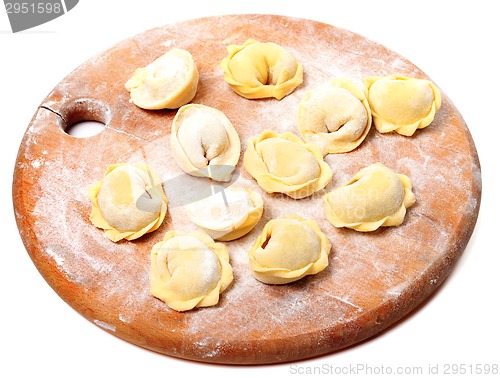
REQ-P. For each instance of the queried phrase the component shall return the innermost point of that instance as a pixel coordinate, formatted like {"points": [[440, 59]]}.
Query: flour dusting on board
{"points": [[368, 272], [104, 325]]}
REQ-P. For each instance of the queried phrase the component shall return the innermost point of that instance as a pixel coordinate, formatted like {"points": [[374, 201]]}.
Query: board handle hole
{"points": [[84, 117]]}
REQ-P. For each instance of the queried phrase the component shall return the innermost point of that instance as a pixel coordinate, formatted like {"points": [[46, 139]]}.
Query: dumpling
{"points": [[402, 104], [283, 163], [204, 142], [168, 82], [260, 70], [189, 270], [374, 197], [288, 249], [128, 202], [335, 116], [227, 215]]}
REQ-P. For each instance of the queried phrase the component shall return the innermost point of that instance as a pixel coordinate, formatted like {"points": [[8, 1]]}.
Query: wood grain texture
{"points": [[373, 280]]}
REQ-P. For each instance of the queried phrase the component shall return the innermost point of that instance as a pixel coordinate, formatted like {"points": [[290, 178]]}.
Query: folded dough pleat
{"points": [[128, 202], [283, 163], [376, 196], [402, 104], [189, 270], [288, 249], [335, 116], [228, 214], [204, 142], [260, 70], [168, 82]]}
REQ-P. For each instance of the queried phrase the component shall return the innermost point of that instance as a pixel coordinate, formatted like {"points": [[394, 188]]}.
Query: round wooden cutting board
{"points": [[373, 279]]}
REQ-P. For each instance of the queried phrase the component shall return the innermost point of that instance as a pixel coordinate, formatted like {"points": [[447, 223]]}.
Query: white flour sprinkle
{"points": [[105, 325]]}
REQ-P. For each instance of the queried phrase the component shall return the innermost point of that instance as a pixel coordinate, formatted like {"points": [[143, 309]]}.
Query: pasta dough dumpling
{"points": [[261, 70], [189, 270], [375, 196], [283, 163], [204, 142], [128, 202], [402, 104], [288, 249], [335, 116], [168, 82], [227, 215]]}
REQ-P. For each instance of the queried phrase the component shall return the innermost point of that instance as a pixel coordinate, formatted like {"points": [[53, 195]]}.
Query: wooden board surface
{"points": [[373, 279]]}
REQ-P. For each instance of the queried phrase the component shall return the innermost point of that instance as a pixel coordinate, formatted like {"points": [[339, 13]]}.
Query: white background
{"points": [[454, 42]]}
